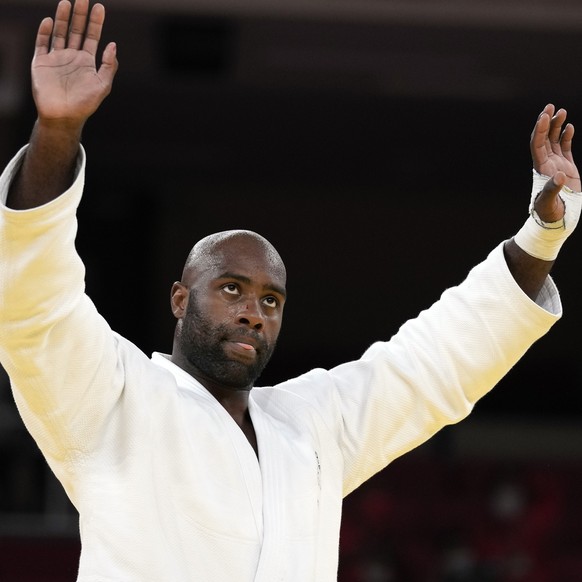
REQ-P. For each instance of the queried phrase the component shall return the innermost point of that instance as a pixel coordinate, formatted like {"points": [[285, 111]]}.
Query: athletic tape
{"points": [[543, 240]]}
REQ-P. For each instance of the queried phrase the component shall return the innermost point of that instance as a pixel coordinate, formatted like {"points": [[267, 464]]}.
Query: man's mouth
{"points": [[241, 349], [245, 346]]}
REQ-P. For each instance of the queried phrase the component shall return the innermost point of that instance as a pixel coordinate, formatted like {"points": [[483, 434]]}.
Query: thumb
{"points": [[548, 205], [109, 64]]}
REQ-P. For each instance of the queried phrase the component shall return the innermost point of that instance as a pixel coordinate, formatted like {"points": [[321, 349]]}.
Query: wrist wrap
{"points": [[543, 240]]}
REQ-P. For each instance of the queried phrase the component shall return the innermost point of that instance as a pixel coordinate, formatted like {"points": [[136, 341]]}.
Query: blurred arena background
{"points": [[383, 147]]}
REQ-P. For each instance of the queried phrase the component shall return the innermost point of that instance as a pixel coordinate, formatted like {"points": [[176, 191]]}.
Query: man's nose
{"points": [[251, 314]]}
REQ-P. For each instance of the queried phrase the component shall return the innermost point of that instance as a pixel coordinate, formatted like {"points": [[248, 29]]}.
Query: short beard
{"points": [[202, 345]]}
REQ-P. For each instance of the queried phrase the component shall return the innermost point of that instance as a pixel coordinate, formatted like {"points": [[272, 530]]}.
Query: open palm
{"points": [[551, 146], [66, 84]]}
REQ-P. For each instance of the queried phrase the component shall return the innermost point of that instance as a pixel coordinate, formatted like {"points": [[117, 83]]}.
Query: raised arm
{"points": [[67, 88], [555, 203]]}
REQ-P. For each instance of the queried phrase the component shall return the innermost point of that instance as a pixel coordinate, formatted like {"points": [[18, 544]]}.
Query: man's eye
{"points": [[231, 289], [271, 301]]}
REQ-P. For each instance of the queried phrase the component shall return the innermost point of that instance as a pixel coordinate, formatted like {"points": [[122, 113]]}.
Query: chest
{"points": [[218, 482]]}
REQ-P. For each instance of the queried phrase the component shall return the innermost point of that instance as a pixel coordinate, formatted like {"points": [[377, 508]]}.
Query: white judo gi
{"points": [[166, 484]]}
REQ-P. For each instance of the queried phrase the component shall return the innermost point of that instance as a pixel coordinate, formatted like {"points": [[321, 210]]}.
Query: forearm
{"points": [[48, 168], [529, 273]]}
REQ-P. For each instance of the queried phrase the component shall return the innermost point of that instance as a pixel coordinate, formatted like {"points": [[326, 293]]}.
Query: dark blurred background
{"points": [[383, 147]]}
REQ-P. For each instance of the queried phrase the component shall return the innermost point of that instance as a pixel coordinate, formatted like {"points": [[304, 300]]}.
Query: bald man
{"points": [[181, 469]]}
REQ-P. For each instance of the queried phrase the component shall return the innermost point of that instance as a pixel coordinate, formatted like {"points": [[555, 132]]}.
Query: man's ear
{"points": [[179, 299]]}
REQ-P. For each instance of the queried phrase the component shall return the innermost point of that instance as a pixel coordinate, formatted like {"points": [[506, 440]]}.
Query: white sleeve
{"points": [[431, 373], [58, 351]]}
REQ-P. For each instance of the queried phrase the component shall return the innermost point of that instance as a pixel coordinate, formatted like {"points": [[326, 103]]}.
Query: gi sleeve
{"points": [[58, 351], [431, 372]]}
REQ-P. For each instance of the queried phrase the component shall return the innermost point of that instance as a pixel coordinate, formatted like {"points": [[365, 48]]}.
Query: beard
{"points": [[202, 343]]}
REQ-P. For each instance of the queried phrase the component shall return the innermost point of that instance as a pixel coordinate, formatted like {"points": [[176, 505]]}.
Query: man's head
{"points": [[229, 307]]}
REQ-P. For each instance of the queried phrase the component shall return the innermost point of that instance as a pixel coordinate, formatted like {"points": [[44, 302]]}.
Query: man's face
{"points": [[208, 346], [233, 317]]}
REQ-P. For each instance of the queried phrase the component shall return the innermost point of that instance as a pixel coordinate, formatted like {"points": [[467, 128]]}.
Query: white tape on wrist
{"points": [[543, 240]]}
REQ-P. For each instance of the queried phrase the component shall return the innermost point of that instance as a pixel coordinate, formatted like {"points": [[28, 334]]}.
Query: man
{"points": [[181, 470]]}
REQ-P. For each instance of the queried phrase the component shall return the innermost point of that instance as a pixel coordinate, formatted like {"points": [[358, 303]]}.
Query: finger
{"points": [[539, 143], [539, 132], [549, 205], [566, 142], [94, 29], [78, 23], [61, 25], [109, 64], [547, 110], [43, 37], [555, 130]]}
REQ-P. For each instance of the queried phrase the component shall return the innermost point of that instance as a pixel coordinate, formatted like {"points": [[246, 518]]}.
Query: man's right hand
{"points": [[67, 86]]}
